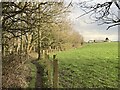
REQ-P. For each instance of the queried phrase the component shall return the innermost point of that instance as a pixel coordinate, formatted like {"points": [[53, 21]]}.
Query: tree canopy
{"points": [[32, 27]]}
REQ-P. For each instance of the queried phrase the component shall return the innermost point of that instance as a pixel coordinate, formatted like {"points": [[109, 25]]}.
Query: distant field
{"points": [[93, 65]]}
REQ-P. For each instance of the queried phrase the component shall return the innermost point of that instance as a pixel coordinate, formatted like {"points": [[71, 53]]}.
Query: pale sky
{"points": [[91, 31]]}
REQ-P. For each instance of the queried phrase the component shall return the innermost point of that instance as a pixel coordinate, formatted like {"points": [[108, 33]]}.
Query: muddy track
{"points": [[39, 74]]}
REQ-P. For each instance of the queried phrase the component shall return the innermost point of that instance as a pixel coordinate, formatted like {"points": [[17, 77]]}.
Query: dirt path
{"points": [[40, 70], [39, 75]]}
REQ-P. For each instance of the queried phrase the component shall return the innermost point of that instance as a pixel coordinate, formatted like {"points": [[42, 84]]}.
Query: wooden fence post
{"points": [[48, 67], [55, 72]]}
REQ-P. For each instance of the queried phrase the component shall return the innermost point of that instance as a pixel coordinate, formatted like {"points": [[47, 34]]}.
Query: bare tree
{"points": [[102, 12]]}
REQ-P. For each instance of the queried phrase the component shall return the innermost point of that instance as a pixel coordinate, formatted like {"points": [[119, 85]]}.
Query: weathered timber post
{"points": [[55, 72], [43, 54]]}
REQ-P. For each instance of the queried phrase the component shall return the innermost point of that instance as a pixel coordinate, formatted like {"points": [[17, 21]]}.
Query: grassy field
{"points": [[93, 65]]}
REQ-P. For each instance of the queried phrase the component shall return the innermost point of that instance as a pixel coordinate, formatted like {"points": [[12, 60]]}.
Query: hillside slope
{"points": [[93, 65]]}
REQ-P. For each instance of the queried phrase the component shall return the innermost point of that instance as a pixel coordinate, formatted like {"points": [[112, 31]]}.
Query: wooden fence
{"points": [[52, 70]]}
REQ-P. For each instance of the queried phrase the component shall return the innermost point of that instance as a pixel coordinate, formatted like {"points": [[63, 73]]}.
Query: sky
{"points": [[90, 31]]}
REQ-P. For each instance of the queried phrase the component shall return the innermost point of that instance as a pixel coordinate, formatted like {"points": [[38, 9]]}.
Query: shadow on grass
{"points": [[39, 74]]}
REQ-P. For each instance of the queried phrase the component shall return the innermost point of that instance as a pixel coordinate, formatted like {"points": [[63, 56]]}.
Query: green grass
{"points": [[33, 76], [93, 65]]}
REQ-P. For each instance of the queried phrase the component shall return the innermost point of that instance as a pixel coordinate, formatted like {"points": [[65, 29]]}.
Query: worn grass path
{"points": [[37, 82]]}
